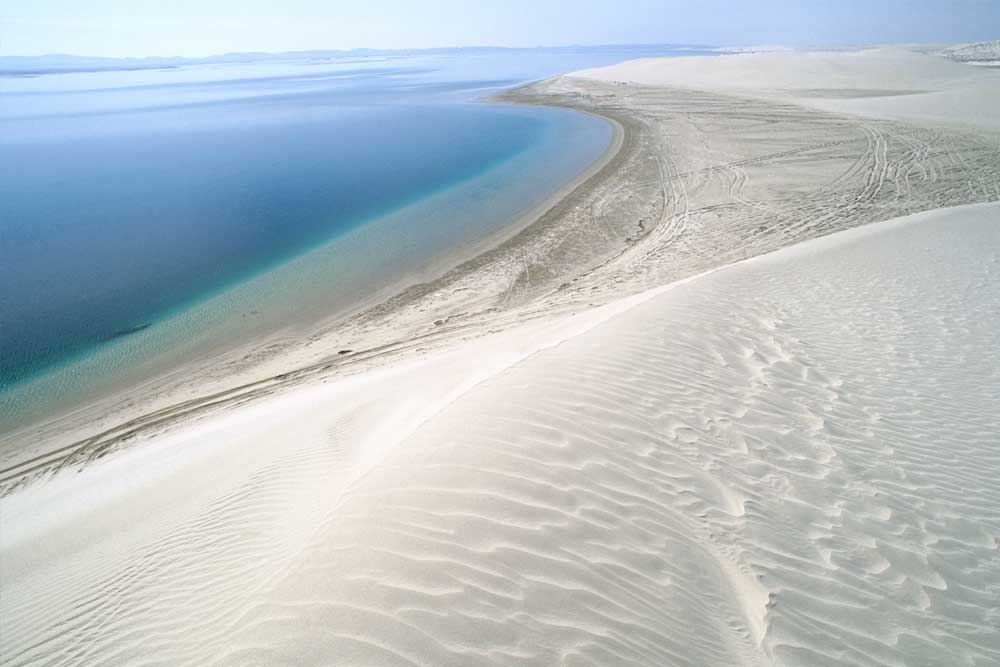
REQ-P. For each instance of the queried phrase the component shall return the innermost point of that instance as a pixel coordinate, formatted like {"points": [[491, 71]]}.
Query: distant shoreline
{"points": [[14, 65]]}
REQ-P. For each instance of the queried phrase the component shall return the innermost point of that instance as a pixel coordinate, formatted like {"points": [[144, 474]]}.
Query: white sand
{"points": [[792, 459], [885, 82], [787, 460]]}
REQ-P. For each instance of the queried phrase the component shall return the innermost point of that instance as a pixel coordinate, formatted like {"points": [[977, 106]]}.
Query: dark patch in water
{"points": [[126, 332]]}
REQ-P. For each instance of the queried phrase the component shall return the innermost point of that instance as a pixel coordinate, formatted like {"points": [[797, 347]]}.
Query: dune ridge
{"points": [[871, 82], [699, 179], [664, 424], [784, 461], [718, 475]]}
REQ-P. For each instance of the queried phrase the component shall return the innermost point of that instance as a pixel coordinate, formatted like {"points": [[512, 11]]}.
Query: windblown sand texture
{"points": [[663, 424]]}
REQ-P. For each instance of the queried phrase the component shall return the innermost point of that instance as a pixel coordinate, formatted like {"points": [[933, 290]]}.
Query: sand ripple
{"points": [[789, 461]]}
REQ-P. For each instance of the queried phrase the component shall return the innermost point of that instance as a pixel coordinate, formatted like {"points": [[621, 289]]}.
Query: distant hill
{"points": [[64, 63]]}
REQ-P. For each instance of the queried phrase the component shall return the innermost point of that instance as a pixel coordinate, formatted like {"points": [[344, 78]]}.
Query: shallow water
{"points": [[146, 215]]}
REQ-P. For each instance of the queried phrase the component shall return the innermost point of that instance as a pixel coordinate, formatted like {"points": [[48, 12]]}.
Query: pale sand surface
{"points": [[700, 179], [606, 440], [869, 82], [792, 459]]}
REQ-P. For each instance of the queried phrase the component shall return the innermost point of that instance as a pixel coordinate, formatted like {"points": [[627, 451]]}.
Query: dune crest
{"points": [[788, 460], [662, 424]]}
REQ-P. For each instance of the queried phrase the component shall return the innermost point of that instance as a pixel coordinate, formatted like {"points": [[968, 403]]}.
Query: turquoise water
{"points": [[150, 216], [113, 232]]}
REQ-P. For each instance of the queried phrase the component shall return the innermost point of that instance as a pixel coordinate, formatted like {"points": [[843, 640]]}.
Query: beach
{"points": [[729, 399]]}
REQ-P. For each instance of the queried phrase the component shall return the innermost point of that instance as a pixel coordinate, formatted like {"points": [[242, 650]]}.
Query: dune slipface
{"points": [[790, 460]]}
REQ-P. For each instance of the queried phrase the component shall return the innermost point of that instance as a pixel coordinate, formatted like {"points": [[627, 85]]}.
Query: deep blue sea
{"points": [[147, 215]]}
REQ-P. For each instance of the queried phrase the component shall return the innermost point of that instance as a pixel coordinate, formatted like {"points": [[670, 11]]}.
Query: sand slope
{"points": [[791, 460], [565, 453], [885, 82], [702, 179]]}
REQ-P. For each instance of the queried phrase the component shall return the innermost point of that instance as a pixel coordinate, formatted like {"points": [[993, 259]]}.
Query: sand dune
{"points": [[701, 179], [789, 460], [867, 82], [612, 439], [883, 69]]}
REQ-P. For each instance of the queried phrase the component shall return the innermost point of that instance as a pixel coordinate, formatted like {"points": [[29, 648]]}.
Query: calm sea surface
{"points": [[147, 216]]}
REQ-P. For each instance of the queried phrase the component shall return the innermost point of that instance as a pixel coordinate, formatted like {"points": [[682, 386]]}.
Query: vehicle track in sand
{"points": [[701, 180]]}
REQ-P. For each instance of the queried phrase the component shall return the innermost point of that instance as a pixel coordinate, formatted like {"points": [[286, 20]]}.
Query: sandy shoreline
{"points": [[590, 246], [235, 368], [662, 423], [751, 471]]}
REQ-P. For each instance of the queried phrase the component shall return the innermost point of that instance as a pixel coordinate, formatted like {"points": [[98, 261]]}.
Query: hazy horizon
{"points": [[119, 29], [376, 50]]}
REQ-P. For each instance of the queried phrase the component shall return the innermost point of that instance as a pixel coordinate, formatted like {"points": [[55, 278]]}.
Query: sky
{"points": [[197, 28]]}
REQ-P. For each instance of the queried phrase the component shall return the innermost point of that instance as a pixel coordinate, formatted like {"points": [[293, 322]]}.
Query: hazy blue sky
{"points": [[203, 27]]}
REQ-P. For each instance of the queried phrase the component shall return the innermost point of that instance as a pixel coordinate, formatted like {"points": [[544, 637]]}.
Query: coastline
{"points": [[600, 238], [726, 471], [730, 401], [120, 419]]}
